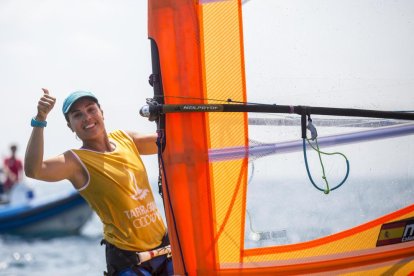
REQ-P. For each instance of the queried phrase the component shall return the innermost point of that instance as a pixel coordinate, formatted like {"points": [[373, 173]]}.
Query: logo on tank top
{"points": [[145, 213], [139, 194]]}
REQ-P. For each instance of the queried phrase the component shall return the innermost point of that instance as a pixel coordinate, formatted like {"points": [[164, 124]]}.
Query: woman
{"points": [[108, 172]]}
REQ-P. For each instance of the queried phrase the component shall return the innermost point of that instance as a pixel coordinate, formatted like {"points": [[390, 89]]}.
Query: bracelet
{"points": [[36, 123]]}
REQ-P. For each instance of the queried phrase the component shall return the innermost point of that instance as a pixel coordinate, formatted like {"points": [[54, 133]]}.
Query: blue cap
{"points": [[73, 97]]}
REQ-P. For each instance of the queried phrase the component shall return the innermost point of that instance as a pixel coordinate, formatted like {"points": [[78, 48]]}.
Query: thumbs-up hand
{"points": [[45, 105]]}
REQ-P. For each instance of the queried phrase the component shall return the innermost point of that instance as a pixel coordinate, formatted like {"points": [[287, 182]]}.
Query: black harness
{"points": [[118, 260]]}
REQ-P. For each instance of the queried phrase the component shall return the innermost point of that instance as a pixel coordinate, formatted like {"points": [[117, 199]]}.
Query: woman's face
{"points": [[86, 119]]}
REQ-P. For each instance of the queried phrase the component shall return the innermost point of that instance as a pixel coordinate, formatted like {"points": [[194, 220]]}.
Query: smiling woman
{"points": [[69, 45], [85, 117], [108, 172]]}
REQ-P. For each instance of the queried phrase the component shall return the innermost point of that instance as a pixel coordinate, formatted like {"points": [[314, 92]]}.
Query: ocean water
{"points": [[72, 255]]}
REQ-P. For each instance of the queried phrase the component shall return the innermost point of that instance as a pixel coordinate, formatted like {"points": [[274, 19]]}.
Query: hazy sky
{"points": [[348, 53], [69, 45], [339, 53]]}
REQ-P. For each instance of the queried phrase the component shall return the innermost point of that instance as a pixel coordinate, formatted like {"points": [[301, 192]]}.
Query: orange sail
{"points": [[200, 49]]}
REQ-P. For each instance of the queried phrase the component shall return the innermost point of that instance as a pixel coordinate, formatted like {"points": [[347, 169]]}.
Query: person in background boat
{"points": [[108, 172], [12, 170], [3, 199]]}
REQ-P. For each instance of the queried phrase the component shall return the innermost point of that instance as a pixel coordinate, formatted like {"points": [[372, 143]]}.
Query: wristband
{"points": [[36, 123]]}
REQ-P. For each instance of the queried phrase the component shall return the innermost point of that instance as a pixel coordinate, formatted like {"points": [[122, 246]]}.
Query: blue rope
{"points": [[326, 191]]}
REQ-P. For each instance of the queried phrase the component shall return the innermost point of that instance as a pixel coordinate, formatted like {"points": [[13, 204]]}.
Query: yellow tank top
{"points": [[119, 192]]}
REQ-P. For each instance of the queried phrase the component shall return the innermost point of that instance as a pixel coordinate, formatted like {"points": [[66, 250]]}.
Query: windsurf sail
{"points": [[210, 162]]}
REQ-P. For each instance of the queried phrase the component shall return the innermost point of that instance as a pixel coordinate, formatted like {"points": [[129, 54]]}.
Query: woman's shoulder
{"points": [[120, 134]]}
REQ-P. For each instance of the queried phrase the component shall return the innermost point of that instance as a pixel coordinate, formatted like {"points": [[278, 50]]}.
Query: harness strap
{"points": [[118, 259], [145, 256]]}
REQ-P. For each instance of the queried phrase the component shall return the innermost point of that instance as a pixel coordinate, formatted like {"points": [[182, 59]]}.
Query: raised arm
{"points": [[145, 143], [54, 169]]}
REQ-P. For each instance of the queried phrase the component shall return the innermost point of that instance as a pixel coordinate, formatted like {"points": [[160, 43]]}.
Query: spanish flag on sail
{"points": [[396, 232]]}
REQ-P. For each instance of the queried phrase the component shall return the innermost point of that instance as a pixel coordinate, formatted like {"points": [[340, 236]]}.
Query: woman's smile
{"points": [[89, 126]]}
